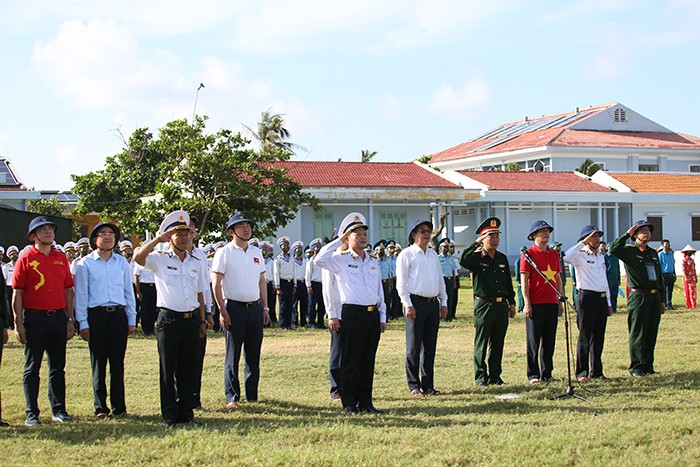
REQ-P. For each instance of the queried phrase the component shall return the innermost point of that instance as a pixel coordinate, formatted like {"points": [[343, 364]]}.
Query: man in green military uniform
{"points": [[644, 304], [494, 300]]}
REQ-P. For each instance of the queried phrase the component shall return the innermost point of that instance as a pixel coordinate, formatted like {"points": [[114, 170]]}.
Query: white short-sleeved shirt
{"points": [[8, 270], [177, 282], [241, 270], [145, 276]]}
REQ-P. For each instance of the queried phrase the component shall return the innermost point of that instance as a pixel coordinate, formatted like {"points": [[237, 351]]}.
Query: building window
{"points": [[695, 229], [620, 116], [566, 206], [694, 168], [520, 206], [323, 225], [648, 167], [392, 226], [658, 222]]}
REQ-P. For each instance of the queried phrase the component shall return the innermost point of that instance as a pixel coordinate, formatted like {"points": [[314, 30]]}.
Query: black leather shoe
{"points": [[369, 408], [350, 410], [498, 382], [3, 423], [482, 383]]}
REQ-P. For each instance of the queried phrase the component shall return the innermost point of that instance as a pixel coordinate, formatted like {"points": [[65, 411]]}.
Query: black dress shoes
{"points": [[369, 408]]}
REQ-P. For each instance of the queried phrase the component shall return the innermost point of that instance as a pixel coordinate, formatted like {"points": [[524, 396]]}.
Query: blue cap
{"points": [[38, 222], [539, 225], [587, 230], [642, 223], [93, 234], [414, 225], [237, 218]]}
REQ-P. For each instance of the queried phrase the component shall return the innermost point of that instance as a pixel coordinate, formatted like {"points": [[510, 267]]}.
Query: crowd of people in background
{"points": [[102, 289]]}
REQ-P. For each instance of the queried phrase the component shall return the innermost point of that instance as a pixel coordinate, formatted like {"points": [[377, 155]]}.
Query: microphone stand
{"points": [[562, 298]]}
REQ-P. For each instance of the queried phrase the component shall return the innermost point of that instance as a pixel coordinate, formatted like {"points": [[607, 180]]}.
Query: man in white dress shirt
{"points": [[592, 303], [181, 283], [422, 291], [105, 309], [314, 281], [285, 282], [363, 312], [241, 291]]}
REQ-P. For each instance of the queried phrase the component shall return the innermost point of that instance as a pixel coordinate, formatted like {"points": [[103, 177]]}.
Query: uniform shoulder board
{"points": [[346, 252], [630, 245]]}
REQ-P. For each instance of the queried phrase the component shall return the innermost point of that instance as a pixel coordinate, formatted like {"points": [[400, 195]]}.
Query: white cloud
{"points": [[463, 103], [390, 105]]}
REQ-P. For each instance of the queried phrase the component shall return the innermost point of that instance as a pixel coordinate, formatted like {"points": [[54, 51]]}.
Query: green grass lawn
{"points": [[649, 421]]}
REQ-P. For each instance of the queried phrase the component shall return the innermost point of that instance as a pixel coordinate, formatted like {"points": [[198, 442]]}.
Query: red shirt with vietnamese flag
{"points": [[44, 279], [548, 262]]}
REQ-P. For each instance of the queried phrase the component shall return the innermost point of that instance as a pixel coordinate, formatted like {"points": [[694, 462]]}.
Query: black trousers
{"points": [[108, 336], [272, 302], [149, 312], [591, 318], [334, 363], [317, 309], [45, 334], [300, 308], [396, 306], [286, 302], [360, 338], [177, 343], [669, 280], [387, 297], [10, 316], [452, 310], [215, 311], [201, 352], [421, 342], [246, 332], [450, 289], [541, 333]]}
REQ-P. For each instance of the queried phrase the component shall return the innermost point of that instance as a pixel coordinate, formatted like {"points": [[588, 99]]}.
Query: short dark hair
{"points": [[665, 240]]}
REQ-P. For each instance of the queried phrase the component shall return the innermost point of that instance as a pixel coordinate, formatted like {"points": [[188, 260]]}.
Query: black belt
{"points": [[243, 304], [649, 291], [287, 280], [180, 314], [108, 309], [47, 313], [594, 292], [366, 308], [427, 299], [492, 299]]}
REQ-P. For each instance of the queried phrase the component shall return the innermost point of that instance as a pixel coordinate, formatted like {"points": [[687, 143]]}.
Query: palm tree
{"points": [[367, 155], [272, 133], [588, 167]]}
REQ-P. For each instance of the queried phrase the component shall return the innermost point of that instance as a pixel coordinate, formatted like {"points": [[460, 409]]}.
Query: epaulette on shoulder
{"points": [[346, 252], [630, 245]]}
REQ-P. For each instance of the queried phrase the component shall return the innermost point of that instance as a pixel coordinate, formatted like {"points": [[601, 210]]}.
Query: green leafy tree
{"points": [[272, 134], [513, 167], [424, 159], [50, 206], [588, 167], [208, 175], [366, 155]]}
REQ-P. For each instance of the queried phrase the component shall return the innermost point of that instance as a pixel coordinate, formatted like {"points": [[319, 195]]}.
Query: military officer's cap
{"points": [[489, 226], [125, 244], [39, 222], [297, 244], [282, 240], [539, 225], [444, 240], [82, 241], [68, 246], [58, 247], [587, 230], [351, 222], [2, 251], [176, 220], [315, 242], [237, 218], [254, 242], [11, 249], [379, 245], [414, 225]]}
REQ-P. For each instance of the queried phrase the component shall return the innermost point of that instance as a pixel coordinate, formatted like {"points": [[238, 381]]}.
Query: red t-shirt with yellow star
{"points": [[548, 262], [44, 279]]}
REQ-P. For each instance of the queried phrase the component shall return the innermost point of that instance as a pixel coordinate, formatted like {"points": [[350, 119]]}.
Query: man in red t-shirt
{"points": [[43, 306], [542, 307]]}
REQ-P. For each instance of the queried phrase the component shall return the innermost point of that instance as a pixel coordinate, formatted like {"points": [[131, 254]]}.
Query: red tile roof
{"points": [[660, 182], [533, 181], [563, 136], [363, 174]]}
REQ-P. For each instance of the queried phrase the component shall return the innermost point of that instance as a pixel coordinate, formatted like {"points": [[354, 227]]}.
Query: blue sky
{"points": [[403, 78]]}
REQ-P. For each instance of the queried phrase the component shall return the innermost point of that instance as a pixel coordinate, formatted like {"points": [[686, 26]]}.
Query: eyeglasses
{"points": [[106, 234], [424, 231]]}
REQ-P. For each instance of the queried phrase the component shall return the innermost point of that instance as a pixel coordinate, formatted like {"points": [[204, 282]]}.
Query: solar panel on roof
{"points": [[571, 118], [491, 144], [6, 175]]}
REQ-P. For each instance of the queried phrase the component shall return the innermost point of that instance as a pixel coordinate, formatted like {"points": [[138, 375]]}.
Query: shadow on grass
{"points": [[469, 407]]}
